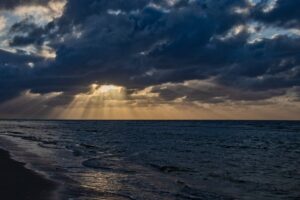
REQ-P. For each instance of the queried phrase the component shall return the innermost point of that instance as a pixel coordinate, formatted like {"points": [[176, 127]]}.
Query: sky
{"points": [[150, 59]]}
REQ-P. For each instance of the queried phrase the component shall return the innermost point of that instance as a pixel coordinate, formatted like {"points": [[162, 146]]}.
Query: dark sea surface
{"points": [[209, 160]]}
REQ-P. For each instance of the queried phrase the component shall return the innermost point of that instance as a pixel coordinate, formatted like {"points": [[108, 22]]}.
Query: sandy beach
{"points": [[18, 182]]}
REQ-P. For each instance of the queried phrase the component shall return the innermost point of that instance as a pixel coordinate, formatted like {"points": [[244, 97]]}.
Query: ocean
{"points": [[152, 160]]}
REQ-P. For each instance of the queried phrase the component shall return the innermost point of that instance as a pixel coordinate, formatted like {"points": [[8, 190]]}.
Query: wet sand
{"points": [[19, 183]]}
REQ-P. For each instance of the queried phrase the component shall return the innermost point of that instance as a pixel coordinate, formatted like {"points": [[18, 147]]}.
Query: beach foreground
{"points": [[18, 183]]}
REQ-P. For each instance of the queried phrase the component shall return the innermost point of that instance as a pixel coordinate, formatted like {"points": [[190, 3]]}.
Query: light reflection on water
{"points": [[102, 183]]}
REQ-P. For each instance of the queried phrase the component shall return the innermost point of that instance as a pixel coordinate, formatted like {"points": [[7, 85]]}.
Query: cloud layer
{"points": [[182, 50]]}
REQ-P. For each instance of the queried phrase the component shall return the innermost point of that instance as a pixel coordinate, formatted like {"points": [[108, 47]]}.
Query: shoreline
{"points": [[18, 182]]}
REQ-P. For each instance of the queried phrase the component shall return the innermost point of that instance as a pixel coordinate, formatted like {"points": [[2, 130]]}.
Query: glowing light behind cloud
{"points": [[41, 14], [29, 104], [114, 102], [2, 23], [98, 98], [38, 14]]}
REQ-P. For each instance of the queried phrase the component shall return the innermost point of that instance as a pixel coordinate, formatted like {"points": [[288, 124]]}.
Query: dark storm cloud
{"points": [[141, 37], [285, 13], [268, 64], [26, 32], [14, 70], [139, 43]]}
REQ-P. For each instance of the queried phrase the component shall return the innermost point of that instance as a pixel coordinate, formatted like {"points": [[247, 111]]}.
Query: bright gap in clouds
{"points": [[106, 90]]}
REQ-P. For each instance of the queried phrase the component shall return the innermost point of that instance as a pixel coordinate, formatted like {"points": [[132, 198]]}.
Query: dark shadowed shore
{"points": [[20, 183]]}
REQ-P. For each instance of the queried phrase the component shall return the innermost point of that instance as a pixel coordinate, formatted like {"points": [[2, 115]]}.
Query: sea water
{"points": [[93, 160]]}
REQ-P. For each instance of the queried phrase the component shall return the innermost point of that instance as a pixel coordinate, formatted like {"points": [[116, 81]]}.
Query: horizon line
{"points": [[35, 119]]}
